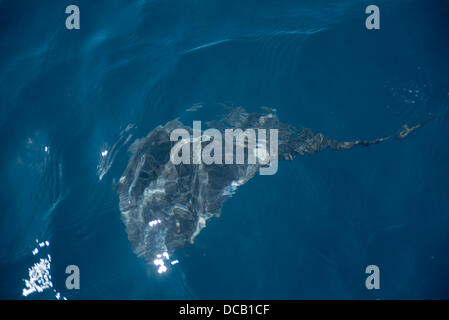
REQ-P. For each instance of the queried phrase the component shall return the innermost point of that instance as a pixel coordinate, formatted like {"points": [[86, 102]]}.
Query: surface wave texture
{"points": [[85, 117]]}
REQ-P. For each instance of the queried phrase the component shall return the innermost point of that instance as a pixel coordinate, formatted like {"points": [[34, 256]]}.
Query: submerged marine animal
{"points": [[165, 206]]}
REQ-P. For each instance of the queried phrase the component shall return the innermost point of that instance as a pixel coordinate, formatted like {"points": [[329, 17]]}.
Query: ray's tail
{"points": [[294, 141]]}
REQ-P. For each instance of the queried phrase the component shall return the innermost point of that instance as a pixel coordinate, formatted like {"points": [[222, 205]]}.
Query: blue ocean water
{"points": [[307, 232]]}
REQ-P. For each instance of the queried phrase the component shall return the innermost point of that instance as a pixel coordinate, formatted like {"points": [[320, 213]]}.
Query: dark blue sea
{"points": [[307, 232]]}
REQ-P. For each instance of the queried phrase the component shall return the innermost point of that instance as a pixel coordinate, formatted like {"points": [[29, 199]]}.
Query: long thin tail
{"points": [[294, 141]]}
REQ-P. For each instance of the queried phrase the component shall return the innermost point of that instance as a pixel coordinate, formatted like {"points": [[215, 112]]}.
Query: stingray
{"points": [[165, 206]]}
